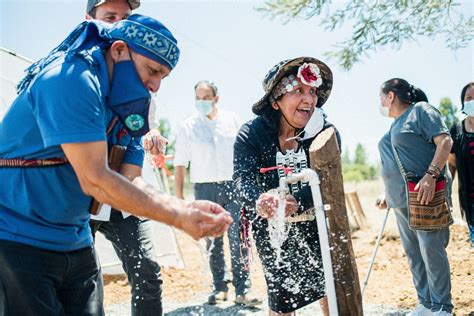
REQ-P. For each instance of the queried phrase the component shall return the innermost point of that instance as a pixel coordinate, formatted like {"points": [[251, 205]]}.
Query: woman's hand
{"points": [[381, 203], [291, 205], [267, 204], [426, 188]]}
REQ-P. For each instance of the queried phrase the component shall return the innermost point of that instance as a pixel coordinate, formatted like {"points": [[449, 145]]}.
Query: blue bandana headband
{"points": [[143, 34], [147, 42]]}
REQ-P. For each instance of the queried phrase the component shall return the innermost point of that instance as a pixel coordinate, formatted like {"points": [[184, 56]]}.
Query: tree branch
{"points": [[379, 23]]}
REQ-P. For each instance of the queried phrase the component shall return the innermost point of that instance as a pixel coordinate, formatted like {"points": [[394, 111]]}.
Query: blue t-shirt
{"points": [[412, 136], [392, 178], [45, 207]]}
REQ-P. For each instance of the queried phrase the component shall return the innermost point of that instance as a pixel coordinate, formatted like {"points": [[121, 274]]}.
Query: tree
{"points": [[360, 155], [379, 23], [346, 158], [448, 111], [358, 169]]}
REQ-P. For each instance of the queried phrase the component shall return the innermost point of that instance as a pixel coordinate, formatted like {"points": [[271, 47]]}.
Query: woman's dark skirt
{"points": [[298, 279]]}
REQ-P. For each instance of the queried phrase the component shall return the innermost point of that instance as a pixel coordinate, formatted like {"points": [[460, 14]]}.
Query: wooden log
{"points": [[325, 159]]}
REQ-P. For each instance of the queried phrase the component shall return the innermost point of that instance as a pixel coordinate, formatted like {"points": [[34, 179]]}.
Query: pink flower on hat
{"points": [[309, 74]]}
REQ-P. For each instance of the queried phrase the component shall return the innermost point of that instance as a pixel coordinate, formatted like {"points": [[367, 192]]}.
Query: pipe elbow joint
{"points": [[310, 176]]}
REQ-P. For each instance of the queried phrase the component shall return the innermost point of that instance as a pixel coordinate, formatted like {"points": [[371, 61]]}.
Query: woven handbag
{"points": [[436, 215]]}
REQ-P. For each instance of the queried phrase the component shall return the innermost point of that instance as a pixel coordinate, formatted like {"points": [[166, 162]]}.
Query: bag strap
{"points": [[400, 165], [32, 163], [397, 158], [111, 125]]}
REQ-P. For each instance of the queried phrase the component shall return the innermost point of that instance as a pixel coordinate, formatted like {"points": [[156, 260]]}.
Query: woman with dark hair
{"points": [[462, 157], [289, 117], [417, 142]]}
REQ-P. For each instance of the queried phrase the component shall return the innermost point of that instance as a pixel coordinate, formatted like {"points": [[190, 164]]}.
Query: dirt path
{"points": [[389, 285], [390, 290]]}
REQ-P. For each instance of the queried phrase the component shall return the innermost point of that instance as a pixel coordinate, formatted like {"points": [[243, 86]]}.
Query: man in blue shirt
{"points": [[53, 160], [130, 236]]}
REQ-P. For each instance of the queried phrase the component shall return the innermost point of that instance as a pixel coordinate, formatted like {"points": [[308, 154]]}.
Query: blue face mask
{"points": [[468, 108], [204, 107], [129, 98]]}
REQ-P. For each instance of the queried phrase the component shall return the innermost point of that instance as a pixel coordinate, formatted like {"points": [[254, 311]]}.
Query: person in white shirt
{"points": [[205, 142]]}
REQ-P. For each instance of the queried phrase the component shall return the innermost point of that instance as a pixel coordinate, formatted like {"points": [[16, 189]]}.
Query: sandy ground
{"points": [[389, 291]]}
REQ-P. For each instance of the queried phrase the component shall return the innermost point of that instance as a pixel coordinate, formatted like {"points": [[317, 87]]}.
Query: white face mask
{"points": [[469, 108], [313, 127], [204, 107], [384, 110]]}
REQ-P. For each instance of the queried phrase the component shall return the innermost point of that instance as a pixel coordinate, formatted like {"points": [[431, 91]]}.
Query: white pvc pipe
{"points": [[309, 175]]}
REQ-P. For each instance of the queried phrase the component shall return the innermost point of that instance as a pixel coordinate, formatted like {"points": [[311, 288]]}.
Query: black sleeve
{"points": [[454, 132], [304, 198], [246, 168]]}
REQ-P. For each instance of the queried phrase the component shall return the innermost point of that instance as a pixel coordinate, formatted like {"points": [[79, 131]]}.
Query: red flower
{"points": [[308, 75]]}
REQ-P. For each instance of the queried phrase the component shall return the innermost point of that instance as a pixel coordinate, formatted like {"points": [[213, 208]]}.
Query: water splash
{"points": [[277, 227], [205, 246]]}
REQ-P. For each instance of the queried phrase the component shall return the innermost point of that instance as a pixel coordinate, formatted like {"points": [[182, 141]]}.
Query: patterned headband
{"points": [[145, 35], [308, 73], [145, 38]]}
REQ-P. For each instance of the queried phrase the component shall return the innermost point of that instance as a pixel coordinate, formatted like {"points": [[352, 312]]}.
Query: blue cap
{"points": [[92, 4]]}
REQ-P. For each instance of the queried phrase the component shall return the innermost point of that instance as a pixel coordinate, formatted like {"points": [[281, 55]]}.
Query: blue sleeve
{"points": [[135, 153], [430, 122], [67, 104]]}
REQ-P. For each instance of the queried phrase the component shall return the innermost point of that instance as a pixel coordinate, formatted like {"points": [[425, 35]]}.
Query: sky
{"points": [[232, 44]]}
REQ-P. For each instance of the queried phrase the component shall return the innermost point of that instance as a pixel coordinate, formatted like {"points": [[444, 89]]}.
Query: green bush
{"points": [[358, 169]]}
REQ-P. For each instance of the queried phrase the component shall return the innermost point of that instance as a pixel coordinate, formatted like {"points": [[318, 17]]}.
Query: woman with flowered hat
{"points": [[289, 117]]}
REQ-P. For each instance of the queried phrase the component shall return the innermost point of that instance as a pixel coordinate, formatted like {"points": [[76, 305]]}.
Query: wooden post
{"points": [[359, 211], [357, 218], [353, 221], [325, 159]]}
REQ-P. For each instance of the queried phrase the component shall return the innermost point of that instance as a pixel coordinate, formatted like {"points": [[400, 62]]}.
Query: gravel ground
{"points": [[390, 288], [196, 307]]}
